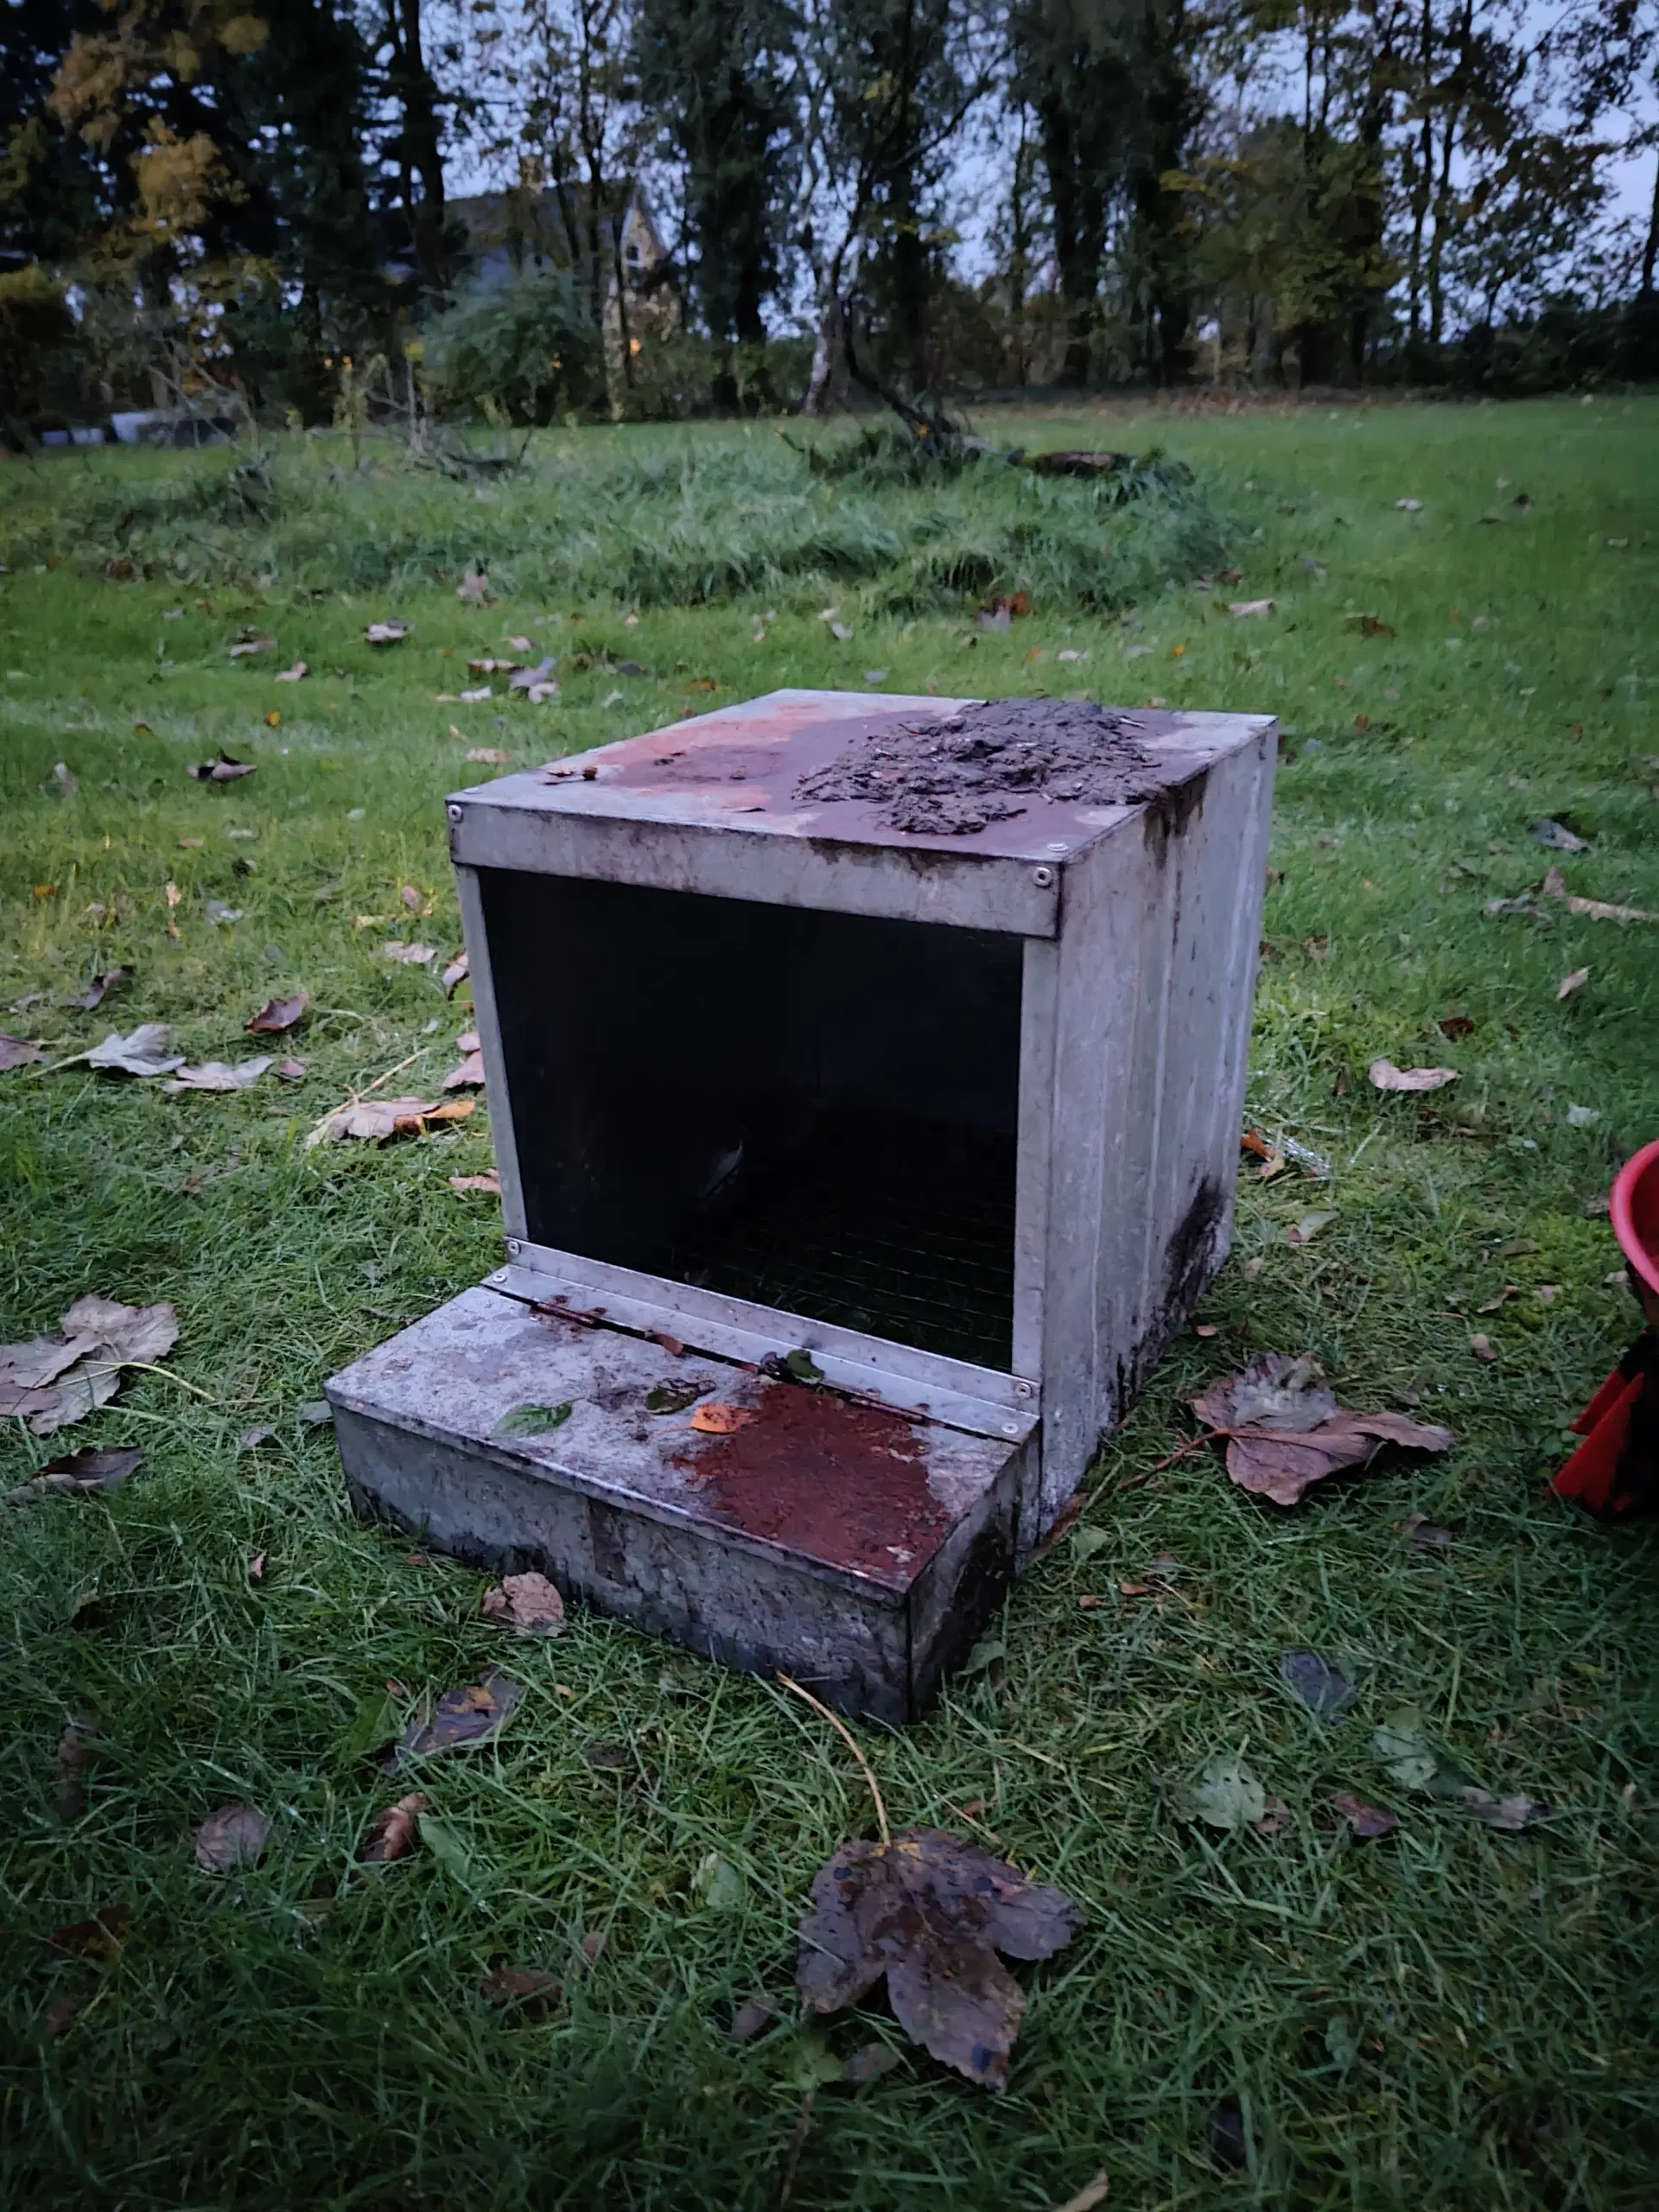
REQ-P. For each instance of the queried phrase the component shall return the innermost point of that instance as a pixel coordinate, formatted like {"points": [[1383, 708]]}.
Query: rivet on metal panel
{"points": [[1042, 877], [1022, 1389], [1010, 1428], [514, 1247], [455, 813]]}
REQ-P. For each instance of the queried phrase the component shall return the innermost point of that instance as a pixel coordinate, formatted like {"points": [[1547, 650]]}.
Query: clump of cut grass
{"points": [[638, 518]]}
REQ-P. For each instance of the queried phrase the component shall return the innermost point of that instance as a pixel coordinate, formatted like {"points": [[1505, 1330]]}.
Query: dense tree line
{"points": [[923, 192]]}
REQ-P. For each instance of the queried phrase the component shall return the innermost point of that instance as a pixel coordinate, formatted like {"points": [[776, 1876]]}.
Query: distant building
{"points": [[518, 233]]}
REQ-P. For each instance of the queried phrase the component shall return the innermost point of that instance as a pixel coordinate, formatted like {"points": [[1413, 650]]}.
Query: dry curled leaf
{"points": [[526, 1603], [1558, 838], [454, 974], [218, 1075], [61, 1379], [277, 1014], [17, 1053], [376, 1119], [489, 1182], [473, 589], [1595, 910], [294, 674], [387, 633], [1386, 1076], [1225, 1795], [394, 1832], [143, 1052], [95, 1468], [234, 1836], [99, 988], [1569, 984], [470, 1714], [1285, 1431], [411, 955], [717, 1420], [470, 1073], [929, 1912]]}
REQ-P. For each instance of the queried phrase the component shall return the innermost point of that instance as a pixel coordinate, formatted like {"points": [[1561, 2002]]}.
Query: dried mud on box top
{"points": [[955, 777]]}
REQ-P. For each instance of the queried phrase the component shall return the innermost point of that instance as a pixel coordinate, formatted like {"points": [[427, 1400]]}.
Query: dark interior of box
{"points": [[814, 1111]]}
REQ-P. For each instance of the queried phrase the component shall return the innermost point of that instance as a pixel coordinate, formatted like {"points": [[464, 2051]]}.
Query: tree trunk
{"points": [[422, 144], [1651, 244], [829, 358], [1079, 237]]}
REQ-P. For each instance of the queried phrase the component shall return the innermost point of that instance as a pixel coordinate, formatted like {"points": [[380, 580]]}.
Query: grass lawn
{"points": [[1450, 2017]]}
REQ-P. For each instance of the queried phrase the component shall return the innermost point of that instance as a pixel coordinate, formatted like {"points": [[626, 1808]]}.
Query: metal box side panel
{"points": [[672, 1582], [966, 1580], [1216, 882], [486, 1022]]}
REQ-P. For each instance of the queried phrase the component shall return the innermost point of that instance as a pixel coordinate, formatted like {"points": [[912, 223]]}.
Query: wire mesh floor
{"points": [[897, 1228]]}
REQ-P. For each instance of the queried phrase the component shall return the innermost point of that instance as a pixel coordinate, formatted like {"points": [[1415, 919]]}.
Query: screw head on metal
{"points": [[1022, 1389], [1010, 1428], [514, 1247], [1042, 877], [455, 813]]}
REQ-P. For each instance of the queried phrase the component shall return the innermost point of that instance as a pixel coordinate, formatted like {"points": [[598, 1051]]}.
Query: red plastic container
{"points": [[1634, 1207]]}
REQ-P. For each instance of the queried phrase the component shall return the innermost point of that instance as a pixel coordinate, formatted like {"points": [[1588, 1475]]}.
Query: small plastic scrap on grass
{"points": [[1285, 1430], [234, 1836], [92, 1468], [527, 1604]]}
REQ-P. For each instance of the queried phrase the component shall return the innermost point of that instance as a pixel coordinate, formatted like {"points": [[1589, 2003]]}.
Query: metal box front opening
{"points": [[812, 1111]]}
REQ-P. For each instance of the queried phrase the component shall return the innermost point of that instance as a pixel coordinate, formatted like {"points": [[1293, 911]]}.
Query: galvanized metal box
{"points": [[953, 1111]]}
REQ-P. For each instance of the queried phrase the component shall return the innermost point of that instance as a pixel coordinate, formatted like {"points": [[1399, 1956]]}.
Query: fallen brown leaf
{"points": [[1568, 985], [100, 987], [225, 770], [1091, 2194], [277, 1014], [753, 2015], [1481, 1345], [104, 1934], [929, 1912], [1285, 1430], [473, 589], [58, 2016], [290, 1071], [292, 674], [470, 1714], [454, 974], [1455, 1026], [1386, 1076], [470, 1071], [376, 1119], [247, 645], [1242, 608], [411, 955], [489, 1182], [716, 1419], [526, 1603], [387, 633], [61, 1379], [525, 1986], [491, 756], [1367, 1820], [234, 1836], [256, 1567], [91, 1469], [17, 1053], [1424, 1534], [393, 1832]]}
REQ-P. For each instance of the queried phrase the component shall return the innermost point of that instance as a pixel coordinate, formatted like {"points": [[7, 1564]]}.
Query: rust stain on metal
{"points": [[845, 1483]]}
